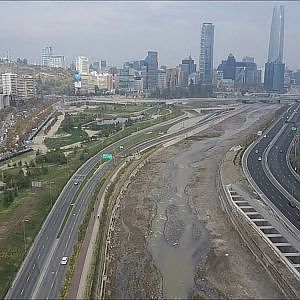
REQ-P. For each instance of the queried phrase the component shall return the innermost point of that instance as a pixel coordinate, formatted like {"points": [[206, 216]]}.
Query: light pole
{"points": [[50, 192], [24, 233]]}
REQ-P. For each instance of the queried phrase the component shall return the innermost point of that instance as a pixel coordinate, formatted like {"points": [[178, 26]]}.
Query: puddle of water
{"points": [[179, 241]]}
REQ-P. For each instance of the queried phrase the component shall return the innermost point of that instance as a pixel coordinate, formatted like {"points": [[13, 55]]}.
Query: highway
{"points": [[41, 274], [271, 174]]}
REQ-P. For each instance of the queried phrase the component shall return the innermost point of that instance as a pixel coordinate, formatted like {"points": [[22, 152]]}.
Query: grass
{"points": [[33, 205]]}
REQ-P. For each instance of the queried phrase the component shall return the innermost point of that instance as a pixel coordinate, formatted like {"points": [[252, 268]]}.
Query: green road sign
{"points": [[107, 156]]}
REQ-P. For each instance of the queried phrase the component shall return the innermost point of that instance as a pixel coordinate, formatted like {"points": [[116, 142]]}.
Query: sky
{"points": [[120, 31]]}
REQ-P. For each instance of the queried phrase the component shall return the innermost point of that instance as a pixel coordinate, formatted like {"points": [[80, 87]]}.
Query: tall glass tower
{"points": [[274, 68], [206, 53], [276, 35]]}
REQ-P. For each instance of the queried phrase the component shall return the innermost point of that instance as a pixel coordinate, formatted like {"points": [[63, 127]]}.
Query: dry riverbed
{"points": [[171, 238]]}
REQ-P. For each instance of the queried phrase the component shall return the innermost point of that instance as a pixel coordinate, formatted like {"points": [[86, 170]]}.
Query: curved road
{"points": [[268, 167]]}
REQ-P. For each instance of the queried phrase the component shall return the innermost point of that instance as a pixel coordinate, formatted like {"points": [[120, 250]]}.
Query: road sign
{"points": [[107, 156]]}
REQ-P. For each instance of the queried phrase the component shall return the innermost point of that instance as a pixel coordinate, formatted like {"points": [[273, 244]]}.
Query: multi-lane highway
{"points": [[268, 167], [41, 274]]}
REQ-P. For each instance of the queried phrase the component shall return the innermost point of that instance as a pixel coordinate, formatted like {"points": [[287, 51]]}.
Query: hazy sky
{"points": [[122, 31]]}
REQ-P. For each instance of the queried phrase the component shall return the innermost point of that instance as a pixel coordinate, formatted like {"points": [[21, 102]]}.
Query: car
{"points": [[256, 151], [64, 260], [265, 136], [75, 183], [259, 158]]}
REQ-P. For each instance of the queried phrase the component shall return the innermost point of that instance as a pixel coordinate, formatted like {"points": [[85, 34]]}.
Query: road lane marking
{"points": [[33, 267], [28, 277]]}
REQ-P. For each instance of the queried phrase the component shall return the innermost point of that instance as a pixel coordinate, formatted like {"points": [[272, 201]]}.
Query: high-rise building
{"points": [[274, 68], [206, 53], [57, 61], [161, 79], [243, 73], [187, 67], [151, 70], [47, 52], [19, 86], [103, 65], [82, 64]]}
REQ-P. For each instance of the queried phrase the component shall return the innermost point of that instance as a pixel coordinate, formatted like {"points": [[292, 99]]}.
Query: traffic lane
{"points": [[279, 167], [50, 287], [23, 287], [271, 192]]}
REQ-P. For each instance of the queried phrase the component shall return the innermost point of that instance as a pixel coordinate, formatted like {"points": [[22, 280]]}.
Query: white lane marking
{"points": [[28, 277], [43, 246], [33, 267], [39, 255]]}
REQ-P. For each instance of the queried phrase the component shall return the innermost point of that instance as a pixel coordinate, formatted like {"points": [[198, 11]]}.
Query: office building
{"points": [[187, 67], [161, 79], [20, 87], [244, 73], [82, 65], [274, 68], [150, 71], [95, 66], [126, 79], [57, 61], [206, 53], [103, 65], [47, 52]]}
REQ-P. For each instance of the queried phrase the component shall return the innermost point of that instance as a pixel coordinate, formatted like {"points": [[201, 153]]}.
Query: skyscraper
{"points": [[151, 70], [47, 53], [206, 53], [276, 35], [274, 68]]}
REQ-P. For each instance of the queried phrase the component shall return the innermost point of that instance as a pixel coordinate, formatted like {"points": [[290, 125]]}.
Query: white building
{"points": [[57, 61], [20, 86], [47, 52], [9, 84], [82, 64], [161, 79]]}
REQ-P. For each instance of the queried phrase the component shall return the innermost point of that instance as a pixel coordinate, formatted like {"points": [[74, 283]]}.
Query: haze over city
{"points": [[121, 31], [149, 150]]}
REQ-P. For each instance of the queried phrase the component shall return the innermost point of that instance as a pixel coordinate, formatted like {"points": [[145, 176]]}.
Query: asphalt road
{"points": [[41, 274], [277, 164]]}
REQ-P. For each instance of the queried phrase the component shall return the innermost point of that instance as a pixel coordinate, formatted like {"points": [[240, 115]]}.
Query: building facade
{"points": [[57, 61], [274, 68], [206, 53], [20, 87], [150, 70], [82, 65], [47, 52]]}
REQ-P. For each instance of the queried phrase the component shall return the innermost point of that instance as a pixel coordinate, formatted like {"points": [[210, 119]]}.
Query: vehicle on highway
{"points": [[64, 260], [256, 151], [75, 183], [259, 158], [265, 136]]}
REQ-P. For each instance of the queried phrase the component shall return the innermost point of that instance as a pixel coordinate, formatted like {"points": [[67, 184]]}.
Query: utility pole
{"points": [[24, 233]]}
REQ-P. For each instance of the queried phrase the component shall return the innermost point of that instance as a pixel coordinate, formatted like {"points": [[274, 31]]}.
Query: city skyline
{"points": [[100, 36]]}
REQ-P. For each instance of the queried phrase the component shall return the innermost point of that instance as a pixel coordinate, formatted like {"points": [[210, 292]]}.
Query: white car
{"points": [[259, 158], [64, 260]]}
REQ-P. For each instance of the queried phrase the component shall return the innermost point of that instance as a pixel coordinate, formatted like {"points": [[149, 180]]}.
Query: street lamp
{"points": [[50, 191], [24, 233]]}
